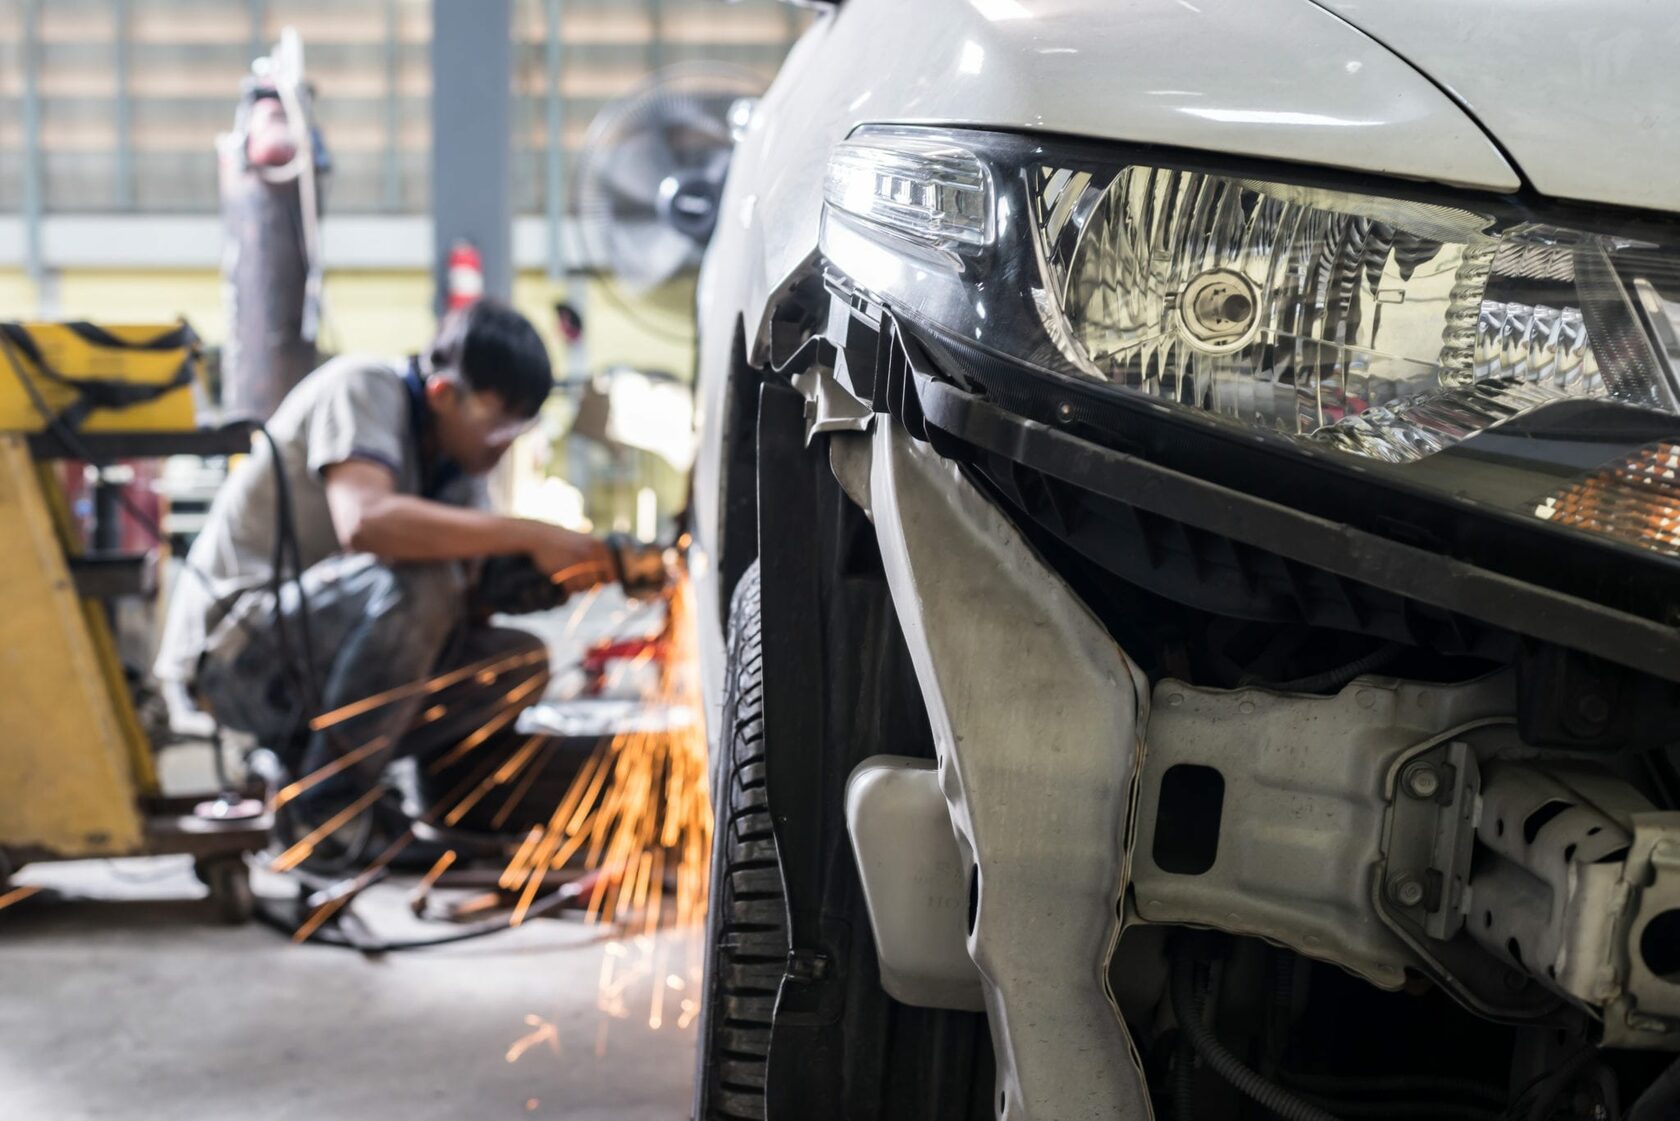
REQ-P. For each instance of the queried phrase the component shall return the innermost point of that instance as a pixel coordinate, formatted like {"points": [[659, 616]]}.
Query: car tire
{"points": [[746, 926]]}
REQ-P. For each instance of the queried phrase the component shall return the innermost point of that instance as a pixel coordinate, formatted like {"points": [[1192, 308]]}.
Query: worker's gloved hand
{"points": [[514, 585], [577, 560], [641, 568]]}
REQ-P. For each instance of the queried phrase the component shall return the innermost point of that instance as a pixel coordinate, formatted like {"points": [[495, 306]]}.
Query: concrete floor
{"points": [[131, 1002], [127, 1000]]}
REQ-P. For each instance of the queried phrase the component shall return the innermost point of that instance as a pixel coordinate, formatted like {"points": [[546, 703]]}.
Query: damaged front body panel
{"points": [[1416, 830], [1220, 646]]}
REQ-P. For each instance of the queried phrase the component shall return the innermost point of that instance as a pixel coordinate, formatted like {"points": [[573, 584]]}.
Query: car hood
{"points": [[1281, 80], [1583, 95]]}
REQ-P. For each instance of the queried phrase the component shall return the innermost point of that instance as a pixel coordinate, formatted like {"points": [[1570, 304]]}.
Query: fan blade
{"points": [[698, 117], [636, 166], [646, 254], [673, 129]]}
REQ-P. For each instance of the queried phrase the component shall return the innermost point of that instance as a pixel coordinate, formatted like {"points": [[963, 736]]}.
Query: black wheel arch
{"points": [[838, 687]]}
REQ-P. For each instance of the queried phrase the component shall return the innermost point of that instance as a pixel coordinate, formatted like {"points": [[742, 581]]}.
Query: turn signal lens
{"points": [[931, 191], [1636, 500]]}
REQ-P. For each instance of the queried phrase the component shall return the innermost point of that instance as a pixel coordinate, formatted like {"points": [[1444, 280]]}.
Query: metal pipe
{"points": [[33, 199], [555, 190], [393, 108], [122, 63], [259, 27], [472, 88]]}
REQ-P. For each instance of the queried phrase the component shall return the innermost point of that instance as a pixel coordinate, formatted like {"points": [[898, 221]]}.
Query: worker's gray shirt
{"points": [[350, 408]]}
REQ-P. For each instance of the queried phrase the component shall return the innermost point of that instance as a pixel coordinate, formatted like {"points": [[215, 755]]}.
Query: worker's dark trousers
{"points": [[373, 628]]}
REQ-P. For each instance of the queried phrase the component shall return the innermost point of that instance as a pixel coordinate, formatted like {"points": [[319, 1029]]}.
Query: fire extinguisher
{"points": [[466, 276]]}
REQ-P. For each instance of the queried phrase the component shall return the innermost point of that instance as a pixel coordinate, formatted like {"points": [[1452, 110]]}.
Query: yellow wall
{"points": [[17, 295], [382, 312], [378, 312], [127, 296], [654, 331]]}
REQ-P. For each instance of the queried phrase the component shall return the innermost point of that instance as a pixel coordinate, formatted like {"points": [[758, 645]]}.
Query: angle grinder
{"points": [[512, 585]]}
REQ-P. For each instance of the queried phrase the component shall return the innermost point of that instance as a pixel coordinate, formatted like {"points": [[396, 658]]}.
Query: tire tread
{"points": [[747, 928]]}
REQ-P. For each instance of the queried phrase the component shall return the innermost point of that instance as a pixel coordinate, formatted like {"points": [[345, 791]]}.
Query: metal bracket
{"points": [[915, 883], [1431, 833], [1422, 889], [1304, 789], [829, 405], [1647, 1014], [1327, 814], [1038, 719]]}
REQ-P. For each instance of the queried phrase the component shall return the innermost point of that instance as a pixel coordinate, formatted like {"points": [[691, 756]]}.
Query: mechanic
{"points": [[380, 503]]}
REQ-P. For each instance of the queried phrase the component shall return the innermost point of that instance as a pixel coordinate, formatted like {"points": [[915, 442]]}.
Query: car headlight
{"points": [[1387, 328]]}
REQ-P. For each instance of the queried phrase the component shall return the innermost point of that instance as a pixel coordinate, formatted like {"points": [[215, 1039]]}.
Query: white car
{"points": [[1188, 529]]}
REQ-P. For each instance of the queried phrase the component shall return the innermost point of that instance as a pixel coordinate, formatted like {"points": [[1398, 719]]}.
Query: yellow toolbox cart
{"points": [[77, 777]]}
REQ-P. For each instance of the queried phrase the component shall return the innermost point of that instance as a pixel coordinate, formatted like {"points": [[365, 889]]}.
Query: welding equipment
{"points": [[76, 772]]}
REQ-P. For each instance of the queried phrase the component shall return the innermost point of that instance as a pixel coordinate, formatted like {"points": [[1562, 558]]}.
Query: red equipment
{"points": [[466, 276]]}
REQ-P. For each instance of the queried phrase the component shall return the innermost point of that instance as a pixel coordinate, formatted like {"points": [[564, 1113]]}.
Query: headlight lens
{"points": [[1382, 327], [1328, 318]]}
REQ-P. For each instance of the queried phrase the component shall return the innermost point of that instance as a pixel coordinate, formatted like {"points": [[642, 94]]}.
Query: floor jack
{"points": [[77, 772]]}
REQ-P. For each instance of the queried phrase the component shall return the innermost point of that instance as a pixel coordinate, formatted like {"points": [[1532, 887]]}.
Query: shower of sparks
{"points": [[513, 703], [498, 777], [523, 787], [639, 811], [344, 762], [636, 820], [486, 671], [640, 980], [331, 907]]}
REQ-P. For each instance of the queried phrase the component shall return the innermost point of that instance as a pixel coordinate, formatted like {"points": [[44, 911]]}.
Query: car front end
{"points": [[1210, 503]]}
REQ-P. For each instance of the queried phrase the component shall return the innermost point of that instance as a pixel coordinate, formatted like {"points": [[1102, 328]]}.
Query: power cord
{"points": [[271, 916], [1188, 1003]]}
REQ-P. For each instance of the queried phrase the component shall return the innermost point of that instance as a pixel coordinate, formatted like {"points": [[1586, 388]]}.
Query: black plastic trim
{"points": [[1418, 573]]}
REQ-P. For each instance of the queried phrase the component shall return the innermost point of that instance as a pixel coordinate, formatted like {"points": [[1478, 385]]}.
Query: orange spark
{"points": [[314, 778], [430, 879], [491, 666], [543, 1032], [332, 906], [496, 778], [18, 895], [301, 851], [510, 710]]}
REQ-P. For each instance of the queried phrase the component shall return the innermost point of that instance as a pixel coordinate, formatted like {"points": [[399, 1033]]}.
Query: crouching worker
{"points": [[379, 501]]}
